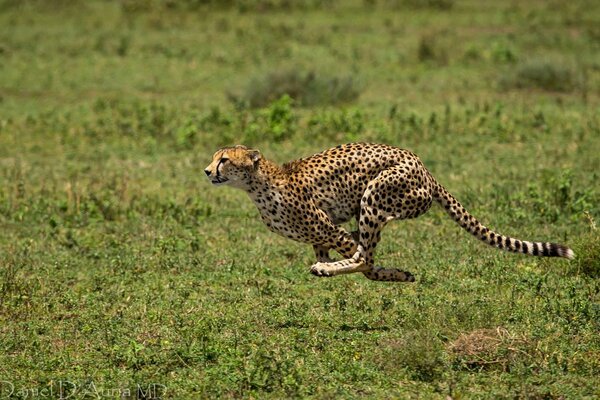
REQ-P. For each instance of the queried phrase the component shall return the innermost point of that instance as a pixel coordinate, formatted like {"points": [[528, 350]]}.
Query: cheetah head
{"points": [[233, 166]]}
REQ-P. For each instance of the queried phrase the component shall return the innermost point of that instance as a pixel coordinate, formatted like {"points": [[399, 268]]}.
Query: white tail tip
{"points": [[569, 254]]}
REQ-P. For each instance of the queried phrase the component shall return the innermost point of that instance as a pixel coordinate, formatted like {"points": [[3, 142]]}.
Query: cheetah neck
{"points": [[267, 176]]}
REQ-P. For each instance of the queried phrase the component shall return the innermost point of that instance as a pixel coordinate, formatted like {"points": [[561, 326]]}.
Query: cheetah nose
{"points": [[207, 172]]}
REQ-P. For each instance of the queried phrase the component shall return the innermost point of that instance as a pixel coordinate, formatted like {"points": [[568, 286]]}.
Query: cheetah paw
{"points": [[408, 277], [398, 275], [320, 269]]}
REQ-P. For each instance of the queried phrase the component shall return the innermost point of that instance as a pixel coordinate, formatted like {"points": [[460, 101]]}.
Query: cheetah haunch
{"points": [[306, 200]]}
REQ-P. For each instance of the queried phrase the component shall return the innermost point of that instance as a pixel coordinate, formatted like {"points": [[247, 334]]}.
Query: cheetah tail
{"points": [[477, 229]]}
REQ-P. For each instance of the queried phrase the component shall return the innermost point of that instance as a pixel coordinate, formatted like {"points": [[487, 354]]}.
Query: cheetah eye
{"points": [[222, 161]]}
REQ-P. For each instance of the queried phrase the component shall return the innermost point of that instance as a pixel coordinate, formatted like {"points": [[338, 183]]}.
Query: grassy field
{"points": [[124, 274]]}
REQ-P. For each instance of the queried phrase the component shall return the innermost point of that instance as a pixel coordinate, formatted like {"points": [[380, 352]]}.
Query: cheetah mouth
{"points": [[218, 180]]}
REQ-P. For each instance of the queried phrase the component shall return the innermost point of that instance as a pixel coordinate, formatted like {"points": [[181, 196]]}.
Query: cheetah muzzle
{"points": [[308, 199]]}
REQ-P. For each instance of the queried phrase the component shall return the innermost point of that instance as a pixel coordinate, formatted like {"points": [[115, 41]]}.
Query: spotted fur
{"points": [[307, 200]]}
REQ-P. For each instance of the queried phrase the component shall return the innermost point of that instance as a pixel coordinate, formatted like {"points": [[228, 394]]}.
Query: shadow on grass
{"points": [[363, 328]]}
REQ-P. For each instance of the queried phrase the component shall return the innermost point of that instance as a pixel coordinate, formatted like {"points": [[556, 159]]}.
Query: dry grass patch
{"points": [[494, 348]]}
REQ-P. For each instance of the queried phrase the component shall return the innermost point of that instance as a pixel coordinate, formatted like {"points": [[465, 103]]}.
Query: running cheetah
{"points": [[307, 200]]}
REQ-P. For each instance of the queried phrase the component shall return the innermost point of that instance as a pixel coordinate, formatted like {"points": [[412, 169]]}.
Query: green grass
{"points": [[120, 266]]}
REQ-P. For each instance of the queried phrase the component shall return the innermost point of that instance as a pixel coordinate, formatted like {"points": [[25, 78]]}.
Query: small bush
{"points": [[40, 4], [587, 252], [552, 198], [244, 6], [544, 74], [430, 50], [441, 5], [472, 53], [419, 352], [131, 118], [503, 53], [339, 125], [307, 89], [277, 121]]}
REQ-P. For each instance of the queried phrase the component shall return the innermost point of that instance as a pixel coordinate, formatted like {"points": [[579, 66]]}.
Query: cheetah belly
{"points": [[280, 218], [298, 229], [279, 226], [338, 211], [341, 202]]}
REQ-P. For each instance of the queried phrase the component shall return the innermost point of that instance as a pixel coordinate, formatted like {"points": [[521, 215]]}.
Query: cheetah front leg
{"points": [[347, 266], [322, 251], [327, 267], [344, 243]]}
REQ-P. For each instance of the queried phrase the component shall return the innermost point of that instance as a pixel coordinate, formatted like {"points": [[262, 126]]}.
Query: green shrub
{"points": [[276, 122], [541, 73], [552, 198], [346, 125], [306, 88], [587, 252], [503, 53], [431, 50], [421, 353], [131, 118], [41, 4], [234, 5], [442, 5], [472, 53], [430, 4]]}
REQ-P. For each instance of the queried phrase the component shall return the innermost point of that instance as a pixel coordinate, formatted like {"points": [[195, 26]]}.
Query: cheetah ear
{"points": [[254, 156]]}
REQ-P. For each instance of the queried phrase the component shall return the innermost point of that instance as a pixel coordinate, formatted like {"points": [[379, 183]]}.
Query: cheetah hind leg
{"points": [[389, 197]]}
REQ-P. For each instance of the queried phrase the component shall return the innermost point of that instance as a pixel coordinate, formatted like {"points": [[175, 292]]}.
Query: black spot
{"points": [[536, 251]]}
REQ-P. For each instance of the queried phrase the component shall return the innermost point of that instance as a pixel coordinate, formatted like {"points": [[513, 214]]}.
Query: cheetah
{"points": [[308, 199]]}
